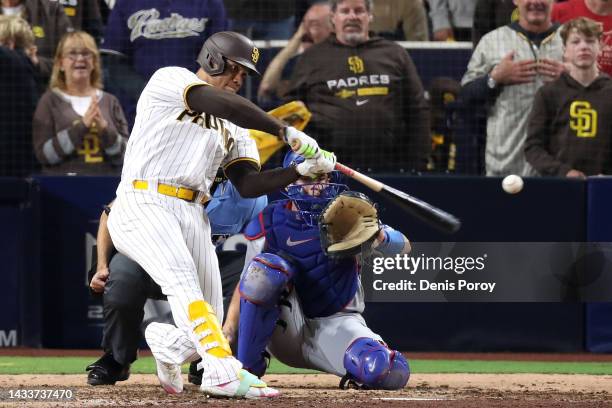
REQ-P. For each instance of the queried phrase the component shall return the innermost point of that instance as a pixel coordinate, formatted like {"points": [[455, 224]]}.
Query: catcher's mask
{"points": [[345, 240], [228, 45], [310, 196]]}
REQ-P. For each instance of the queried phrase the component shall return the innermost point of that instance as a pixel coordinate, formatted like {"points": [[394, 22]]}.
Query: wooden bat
{"points": [[419, 208]]}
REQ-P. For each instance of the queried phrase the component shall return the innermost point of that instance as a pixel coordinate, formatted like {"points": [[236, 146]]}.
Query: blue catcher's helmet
{"points": [[310, 205]]}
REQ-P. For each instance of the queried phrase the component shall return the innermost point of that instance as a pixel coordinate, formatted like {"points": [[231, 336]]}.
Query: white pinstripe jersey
{"points": [[172, 145]]}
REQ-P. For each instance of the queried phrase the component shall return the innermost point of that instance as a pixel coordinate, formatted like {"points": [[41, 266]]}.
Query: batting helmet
{"points": [[228, 45]]}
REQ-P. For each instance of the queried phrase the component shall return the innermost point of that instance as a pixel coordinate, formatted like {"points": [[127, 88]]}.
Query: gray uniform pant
{"points": [[318, 343]]}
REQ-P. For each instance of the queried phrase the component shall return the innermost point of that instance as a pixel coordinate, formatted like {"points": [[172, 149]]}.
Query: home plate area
{"points": [[321, 390]]}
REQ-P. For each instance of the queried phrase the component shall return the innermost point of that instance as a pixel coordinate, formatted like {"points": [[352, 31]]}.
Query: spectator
{"points": [[156, 34], [143, 36], [570, 127], [84, 15], [365, 95], [443, 94], [400, 20], [262, 19], [452, 20], [105, 7], [18, 95], [315, 28], [48, 22], [490, 14], [506, 69], [598, 10], [78, 128]]}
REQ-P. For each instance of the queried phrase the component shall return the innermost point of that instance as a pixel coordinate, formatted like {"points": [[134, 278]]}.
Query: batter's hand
{"points": [[99, 280], [323, 164], [308, 147]]}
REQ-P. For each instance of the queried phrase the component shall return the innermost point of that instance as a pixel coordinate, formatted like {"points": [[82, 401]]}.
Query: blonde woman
{"points": [[78, 128]]}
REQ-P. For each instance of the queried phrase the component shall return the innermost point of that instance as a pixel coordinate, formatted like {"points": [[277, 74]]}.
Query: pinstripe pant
{"points": [[170, 239]]}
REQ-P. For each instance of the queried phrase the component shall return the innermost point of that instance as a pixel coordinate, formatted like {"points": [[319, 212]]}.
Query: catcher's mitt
{"points": [[347, 222]]}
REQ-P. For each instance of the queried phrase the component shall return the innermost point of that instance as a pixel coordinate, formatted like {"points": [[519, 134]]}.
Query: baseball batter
{"points": [[187, 125], [305, 307]]}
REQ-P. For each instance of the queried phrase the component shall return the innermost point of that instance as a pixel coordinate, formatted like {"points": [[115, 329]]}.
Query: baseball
{"points": [[512, 184]]}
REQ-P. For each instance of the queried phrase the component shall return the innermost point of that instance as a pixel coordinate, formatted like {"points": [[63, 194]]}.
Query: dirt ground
{"points": [[321, 390]]}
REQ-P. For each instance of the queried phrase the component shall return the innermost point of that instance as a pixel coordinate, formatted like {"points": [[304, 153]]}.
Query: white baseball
{"points": [[512, 184]]}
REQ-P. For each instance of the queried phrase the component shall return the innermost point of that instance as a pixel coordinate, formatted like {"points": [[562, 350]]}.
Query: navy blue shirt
{"points": [[161, 33]]}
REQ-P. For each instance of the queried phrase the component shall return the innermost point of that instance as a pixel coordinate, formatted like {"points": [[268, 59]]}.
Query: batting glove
{"points": [[323, 164], [308, 147]]}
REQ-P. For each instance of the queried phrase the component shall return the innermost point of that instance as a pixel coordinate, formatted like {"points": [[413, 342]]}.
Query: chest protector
{"points": [[324, 285]]}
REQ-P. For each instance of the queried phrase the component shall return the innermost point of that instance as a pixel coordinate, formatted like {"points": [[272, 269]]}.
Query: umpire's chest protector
{"points": [[324, 285]]}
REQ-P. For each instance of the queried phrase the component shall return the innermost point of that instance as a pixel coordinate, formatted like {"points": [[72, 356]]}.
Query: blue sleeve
{"points": [[392, 244], [116, 34], [217, 18], [229, 212]]}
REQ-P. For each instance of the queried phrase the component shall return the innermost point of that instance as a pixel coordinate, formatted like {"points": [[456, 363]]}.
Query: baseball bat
{"points": [[419, 208]]}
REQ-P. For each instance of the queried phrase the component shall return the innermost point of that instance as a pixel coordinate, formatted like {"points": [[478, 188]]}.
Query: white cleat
{"points": [[170, 377], [245, 386]]}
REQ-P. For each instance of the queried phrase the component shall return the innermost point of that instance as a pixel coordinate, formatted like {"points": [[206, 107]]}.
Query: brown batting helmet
{"points": [[228, 45]]}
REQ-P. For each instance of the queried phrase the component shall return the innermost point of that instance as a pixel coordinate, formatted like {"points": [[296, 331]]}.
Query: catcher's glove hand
{"points": [[347, 222]]}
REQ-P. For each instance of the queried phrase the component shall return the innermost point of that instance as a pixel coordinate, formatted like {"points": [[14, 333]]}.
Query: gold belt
{"points": [[183, 193]]}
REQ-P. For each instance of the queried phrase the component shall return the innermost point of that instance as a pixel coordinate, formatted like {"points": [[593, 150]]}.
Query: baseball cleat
{"points": [[170, 377], [245, 386]]}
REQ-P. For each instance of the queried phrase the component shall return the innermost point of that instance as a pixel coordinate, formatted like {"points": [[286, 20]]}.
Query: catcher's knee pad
{"points": [[373, 365], [265, 279], [208, 330]]}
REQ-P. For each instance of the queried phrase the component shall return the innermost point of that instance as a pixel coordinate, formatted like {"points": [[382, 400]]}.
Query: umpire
{"points": [[126, 290]]}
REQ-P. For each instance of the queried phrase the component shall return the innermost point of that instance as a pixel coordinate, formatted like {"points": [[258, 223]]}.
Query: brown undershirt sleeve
{"points": [[232, 107], [251, 183]]}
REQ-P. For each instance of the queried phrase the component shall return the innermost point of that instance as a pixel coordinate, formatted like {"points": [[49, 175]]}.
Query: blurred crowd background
{"points": [[479, 87]]}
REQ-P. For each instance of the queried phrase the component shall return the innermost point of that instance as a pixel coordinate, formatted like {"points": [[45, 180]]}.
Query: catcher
{"points": [[302, 299]]}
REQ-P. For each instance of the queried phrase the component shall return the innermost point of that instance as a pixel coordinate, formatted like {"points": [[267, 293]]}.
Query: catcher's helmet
{"points": [[309, 205], [228, 45]]}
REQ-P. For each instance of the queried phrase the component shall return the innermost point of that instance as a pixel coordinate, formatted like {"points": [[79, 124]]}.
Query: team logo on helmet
{"points": [[255, 55]]}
